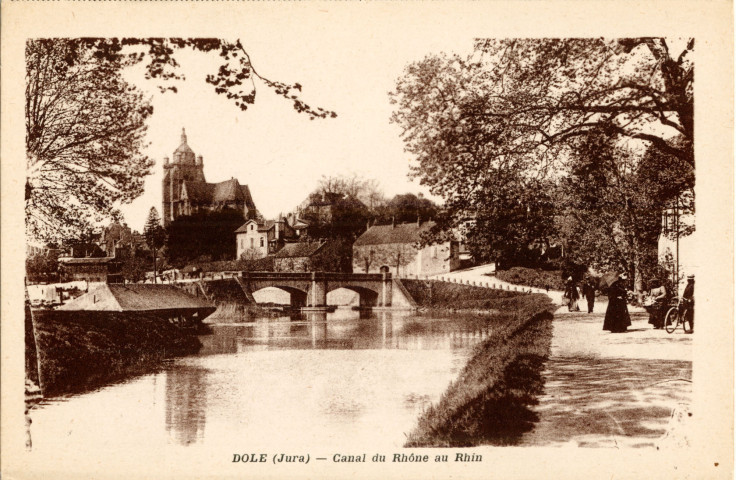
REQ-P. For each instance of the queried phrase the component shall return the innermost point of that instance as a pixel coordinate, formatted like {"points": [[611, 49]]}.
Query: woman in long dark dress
{"points": [[617, 314], [572, 295]]}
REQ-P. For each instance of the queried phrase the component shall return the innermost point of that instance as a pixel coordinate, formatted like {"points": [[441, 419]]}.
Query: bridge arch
{"points": [[367, 296], [297, 297]]}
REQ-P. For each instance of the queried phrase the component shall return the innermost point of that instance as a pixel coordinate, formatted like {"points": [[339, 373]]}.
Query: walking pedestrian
{"points": [[617, 314], [688, 300], [572, 295], [589, 293]]}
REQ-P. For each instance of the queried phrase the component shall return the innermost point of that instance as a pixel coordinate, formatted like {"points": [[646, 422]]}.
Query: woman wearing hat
{"points": [[688, 301], [572, 295], [617, 314]]}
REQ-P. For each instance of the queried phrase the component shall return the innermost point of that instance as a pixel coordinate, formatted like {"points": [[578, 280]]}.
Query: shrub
{"points": [[533, 277]]}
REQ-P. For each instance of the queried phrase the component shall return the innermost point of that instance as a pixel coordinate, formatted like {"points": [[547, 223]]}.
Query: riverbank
{"points": [[437, 294], [489, 402], [81, 350]]}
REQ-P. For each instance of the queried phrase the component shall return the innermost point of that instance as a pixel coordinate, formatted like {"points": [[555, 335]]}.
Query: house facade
{"points": [[260, 238], [396, 249], [90, 269], [186, 192]]}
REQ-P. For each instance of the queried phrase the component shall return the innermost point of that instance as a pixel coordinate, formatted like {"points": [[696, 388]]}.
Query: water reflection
{"points": [[186, 403], [344, 379], [345, 330]]}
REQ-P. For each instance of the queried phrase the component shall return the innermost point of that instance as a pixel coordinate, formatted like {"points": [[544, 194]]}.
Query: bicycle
{"points": [[676, 316]]}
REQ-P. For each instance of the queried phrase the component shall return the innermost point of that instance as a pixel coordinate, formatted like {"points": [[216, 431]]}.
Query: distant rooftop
{"points": [[386, 234]]}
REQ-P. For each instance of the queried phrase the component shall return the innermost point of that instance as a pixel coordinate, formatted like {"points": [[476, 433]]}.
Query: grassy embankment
{"points": [[78, 351], [489, 402], [532, 277]]}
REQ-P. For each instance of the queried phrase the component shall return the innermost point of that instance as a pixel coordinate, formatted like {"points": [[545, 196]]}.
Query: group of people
{"points": [[572, 295], [617, 319]]}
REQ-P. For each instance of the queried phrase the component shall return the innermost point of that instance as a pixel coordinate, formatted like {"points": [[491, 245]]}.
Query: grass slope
{"points": [[83, 350], [488, 403]]}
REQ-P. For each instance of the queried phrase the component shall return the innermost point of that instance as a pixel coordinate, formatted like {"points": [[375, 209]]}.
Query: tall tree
{"points": [[408, 207], [85, 125], [155, 236], [612, 203], [510, 114], [85, 128]]}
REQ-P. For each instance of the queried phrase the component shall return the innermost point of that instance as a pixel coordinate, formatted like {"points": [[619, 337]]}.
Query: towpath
{"points": [[611, 390], [608, 390]]}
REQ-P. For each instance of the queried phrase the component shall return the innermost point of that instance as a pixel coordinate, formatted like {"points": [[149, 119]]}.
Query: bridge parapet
{"points": [[309, 276]]}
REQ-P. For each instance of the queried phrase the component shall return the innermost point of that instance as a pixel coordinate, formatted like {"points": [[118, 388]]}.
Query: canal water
{"points": [[340, 381]]}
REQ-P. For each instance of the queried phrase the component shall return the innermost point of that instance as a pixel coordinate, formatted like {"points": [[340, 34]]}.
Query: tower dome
{"points": [[184, 154]]}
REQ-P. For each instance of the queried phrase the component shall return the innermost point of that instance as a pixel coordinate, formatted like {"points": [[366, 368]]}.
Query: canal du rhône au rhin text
{"points": [[360, 458]]}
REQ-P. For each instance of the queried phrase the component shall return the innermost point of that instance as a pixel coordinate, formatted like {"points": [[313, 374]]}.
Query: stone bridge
{"points": [[310, 289]]}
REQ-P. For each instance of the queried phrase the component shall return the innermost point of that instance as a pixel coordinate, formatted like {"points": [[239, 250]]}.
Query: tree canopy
{"points": [[85, 125], [494, 131]]}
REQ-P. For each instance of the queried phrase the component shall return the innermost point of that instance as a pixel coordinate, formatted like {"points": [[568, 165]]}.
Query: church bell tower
{"points": [[184, 166]]}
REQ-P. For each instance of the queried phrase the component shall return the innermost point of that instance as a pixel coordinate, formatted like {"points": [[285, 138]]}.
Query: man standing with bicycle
{"points": [[688, 301]]}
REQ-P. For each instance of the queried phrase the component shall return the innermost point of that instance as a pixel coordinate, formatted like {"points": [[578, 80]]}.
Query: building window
{"points": [[252, 242], [434, 252], [251, 227], [261, 241]]}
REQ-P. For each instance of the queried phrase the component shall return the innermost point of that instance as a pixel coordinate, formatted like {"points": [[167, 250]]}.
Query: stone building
{"points": [[297, 257], [185, 190], [90, 269], [395, 249], [263, 237]]}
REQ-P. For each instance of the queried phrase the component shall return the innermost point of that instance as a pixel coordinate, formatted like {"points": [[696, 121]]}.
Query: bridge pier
{"points": [[386, 290], [317, 295]]}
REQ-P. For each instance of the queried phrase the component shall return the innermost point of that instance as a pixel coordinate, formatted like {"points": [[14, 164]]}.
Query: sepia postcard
{"points": [[400, 239]]}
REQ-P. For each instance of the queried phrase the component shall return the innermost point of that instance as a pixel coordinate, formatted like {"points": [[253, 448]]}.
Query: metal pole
{"points": [[677, 244]]}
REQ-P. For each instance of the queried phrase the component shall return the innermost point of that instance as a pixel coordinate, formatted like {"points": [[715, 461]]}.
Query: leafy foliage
{"points": [[155, 235], [85, 125], [134, 267], [335, 256], [407, 207], [493, 132], [612, 202], [85, 128], [210, 234], [43, 266], [153, 231]]}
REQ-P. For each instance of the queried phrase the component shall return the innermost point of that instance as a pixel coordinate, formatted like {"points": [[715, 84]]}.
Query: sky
{"points": [[279, 153]]}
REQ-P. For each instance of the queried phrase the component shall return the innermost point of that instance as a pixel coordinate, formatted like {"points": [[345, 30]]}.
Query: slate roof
{"points": [[136, 297], [405, 233], [262, 227], [200, 192], [299, 249], [227, 191]]}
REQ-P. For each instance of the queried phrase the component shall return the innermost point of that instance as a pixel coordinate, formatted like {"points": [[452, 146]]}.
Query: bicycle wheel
{"points": [[671, 320]]}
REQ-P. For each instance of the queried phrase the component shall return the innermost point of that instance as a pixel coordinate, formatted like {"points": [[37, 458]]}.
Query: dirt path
{"points": [[613, 390]]}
